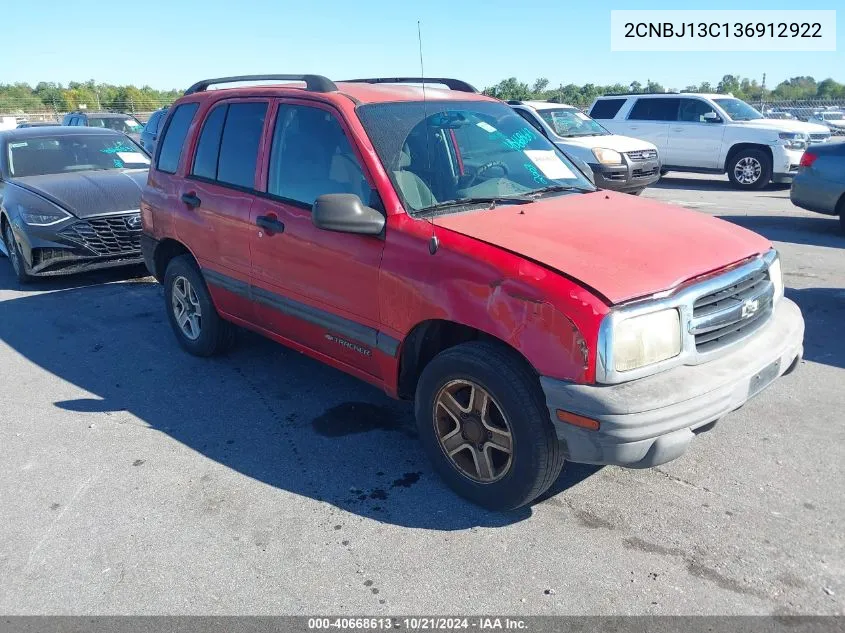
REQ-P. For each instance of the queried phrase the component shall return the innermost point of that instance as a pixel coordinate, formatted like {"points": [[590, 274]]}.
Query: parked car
{"points": [[432, 244], [37, 124], [69, 200], [711, 133], [125, 123], [832, 119], [149, 135], [617, 162], [780, 115], [820, 183]]}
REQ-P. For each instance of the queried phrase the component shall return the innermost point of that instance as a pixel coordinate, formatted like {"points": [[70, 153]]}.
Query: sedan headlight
{"points": [[776, 277], [793, 140], [43, 216], [607, 156], [646, 339]]}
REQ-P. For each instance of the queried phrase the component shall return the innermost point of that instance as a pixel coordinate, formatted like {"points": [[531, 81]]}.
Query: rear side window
{"points": [[174, 137], [239, 144], [655, 109], [208, 148], [606, 108]]}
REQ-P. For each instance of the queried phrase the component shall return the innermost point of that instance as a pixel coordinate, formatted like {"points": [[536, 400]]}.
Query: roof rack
{"points": [[452, 84], [314, 83]]}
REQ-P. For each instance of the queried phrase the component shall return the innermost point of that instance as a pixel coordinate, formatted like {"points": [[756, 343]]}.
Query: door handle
{"points": [[677, 129], [270, 223], [191, 199]]}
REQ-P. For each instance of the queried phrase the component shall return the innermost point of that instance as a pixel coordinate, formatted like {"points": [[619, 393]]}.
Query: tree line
{"points": [[796, 88], [50, 96], [21, 97]]}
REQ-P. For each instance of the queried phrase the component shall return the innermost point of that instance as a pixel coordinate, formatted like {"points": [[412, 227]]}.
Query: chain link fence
{"points": [[28, 111]]}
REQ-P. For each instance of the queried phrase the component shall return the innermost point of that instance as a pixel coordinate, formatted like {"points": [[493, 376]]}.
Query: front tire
{"points": [[750, 169], [19, 266], [191, 312], [483, 422]]}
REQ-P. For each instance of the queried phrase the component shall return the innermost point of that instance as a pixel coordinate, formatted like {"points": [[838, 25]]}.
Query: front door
{"points": [[314, 287], [693, 140]]}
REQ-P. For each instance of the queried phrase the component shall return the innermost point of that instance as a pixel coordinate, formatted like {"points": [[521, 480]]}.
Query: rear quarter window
{"points": [[170, 148], [606, 108]]}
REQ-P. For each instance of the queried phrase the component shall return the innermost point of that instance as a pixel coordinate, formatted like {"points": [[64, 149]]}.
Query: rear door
{"points": [[692, 140], [217, 196], [649, 119], [313, 287]]}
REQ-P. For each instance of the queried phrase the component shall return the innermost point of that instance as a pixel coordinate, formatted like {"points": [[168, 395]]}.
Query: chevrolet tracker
{"points": [[431, 242]]}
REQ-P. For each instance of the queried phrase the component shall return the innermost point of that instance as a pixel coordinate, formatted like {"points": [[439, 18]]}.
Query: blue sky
{"points": [[171, 44]]}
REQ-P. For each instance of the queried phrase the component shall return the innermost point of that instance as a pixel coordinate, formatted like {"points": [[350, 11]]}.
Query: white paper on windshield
{"points": [[133, 157], [549, 163], [486, 127], [582, 116]]}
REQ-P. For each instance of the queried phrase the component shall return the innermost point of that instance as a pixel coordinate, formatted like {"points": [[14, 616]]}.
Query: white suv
{"points": [[711, 133], [618, 162]]}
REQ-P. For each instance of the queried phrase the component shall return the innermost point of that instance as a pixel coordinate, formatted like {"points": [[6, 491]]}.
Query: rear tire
{"points": [[515, 416], [750, 169], [15, 255], [191, 312]]}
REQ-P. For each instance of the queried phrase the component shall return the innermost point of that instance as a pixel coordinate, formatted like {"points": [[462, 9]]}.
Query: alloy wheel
{"points": [[748, 170], [11, 249], [472, 431], [186, 308]]}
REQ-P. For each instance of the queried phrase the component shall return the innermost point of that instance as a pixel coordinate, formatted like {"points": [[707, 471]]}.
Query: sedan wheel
{"points": [[15, 257]]}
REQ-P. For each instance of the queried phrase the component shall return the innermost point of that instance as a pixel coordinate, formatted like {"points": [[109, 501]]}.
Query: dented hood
{"points": [[619, 245]]}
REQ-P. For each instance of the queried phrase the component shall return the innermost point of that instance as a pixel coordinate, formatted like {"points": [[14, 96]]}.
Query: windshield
{"points": [[738, 110], [447, 152], [833, 116], [568, 122], [73, 152], [127, 126]]}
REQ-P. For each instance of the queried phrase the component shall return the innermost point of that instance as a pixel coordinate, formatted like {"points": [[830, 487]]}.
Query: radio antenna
{"points": [[433, 243]]}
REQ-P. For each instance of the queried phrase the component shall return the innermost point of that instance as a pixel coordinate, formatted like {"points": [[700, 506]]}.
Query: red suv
{"points": [[430, 242]]}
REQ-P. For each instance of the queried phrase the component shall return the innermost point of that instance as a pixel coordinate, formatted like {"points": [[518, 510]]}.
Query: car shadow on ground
{"points": [[717, 183], [65, 282], [265, 411], [814, 231], [824, 334]]}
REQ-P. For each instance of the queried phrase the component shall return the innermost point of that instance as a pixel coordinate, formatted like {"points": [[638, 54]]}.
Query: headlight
{"points": [[776, 277], [646, 339], [792, 140], [43, 217], [607, 156]]}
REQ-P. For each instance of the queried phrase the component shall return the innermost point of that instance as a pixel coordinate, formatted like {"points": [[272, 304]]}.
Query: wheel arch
{"points": [[738, 147], [430, 337], [165, 251]]}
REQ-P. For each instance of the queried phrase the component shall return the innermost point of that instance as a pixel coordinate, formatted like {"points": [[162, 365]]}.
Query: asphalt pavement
{"points": [[136, 479]]}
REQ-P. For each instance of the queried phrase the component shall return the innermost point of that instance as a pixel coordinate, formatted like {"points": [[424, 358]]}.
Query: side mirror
{"points": [[712, 117], [345, 213]]}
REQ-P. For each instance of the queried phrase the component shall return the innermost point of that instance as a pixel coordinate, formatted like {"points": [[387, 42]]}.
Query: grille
{"points": [[106, 236], [819, 137], [642, 154], [732, 313], [642, 173]]}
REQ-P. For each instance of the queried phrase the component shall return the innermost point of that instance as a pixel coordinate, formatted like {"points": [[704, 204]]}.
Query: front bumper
{"points": [[652, 420], [785, 163], [78, 245], [630, 176]]}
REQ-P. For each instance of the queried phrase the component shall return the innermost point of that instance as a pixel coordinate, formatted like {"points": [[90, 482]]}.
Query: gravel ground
{"points": [[137, 479]]}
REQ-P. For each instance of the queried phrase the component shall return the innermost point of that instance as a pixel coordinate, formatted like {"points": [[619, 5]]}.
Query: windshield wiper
{"points": [[492, 201], [555, 188]]}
